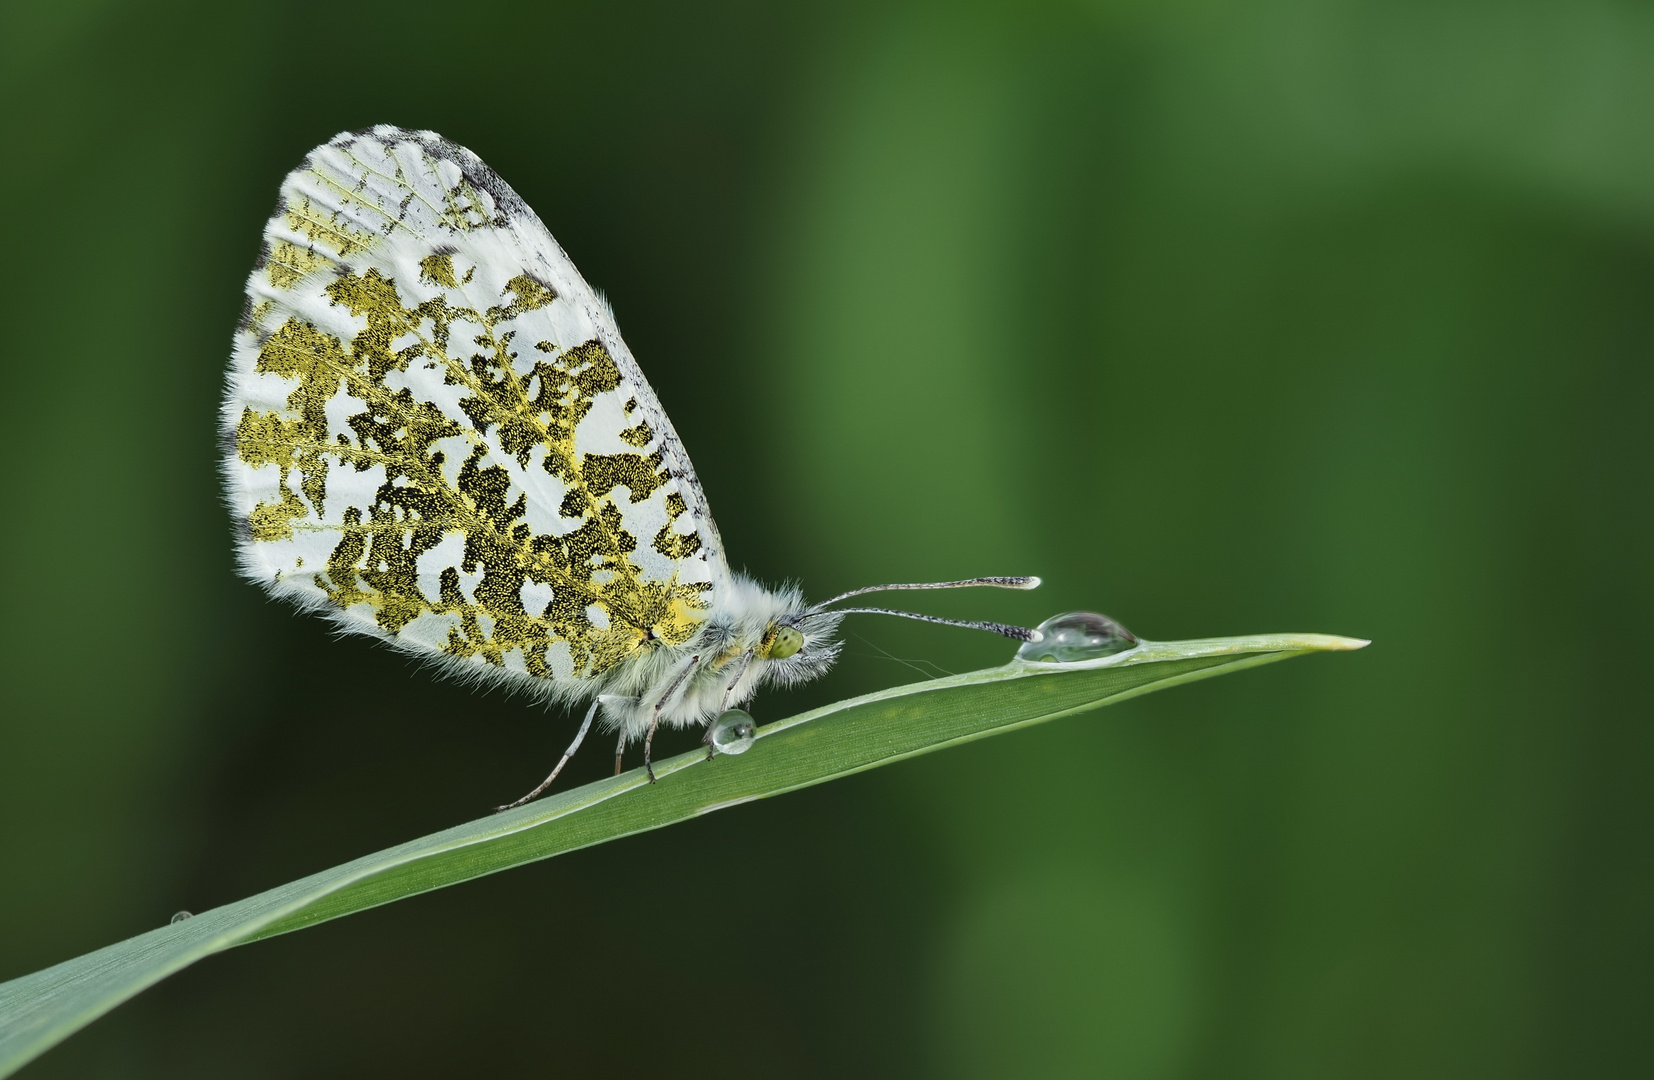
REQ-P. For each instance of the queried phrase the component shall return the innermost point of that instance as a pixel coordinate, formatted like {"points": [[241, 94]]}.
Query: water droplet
{"points": [[1078, 635], [733, 732], [181, 916]]}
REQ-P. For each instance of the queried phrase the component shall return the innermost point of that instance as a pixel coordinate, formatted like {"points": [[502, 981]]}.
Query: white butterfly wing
{"points": [[434, 432]]}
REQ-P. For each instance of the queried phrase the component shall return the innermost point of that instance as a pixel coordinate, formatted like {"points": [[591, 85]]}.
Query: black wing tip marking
{"points": [[507, 203]]}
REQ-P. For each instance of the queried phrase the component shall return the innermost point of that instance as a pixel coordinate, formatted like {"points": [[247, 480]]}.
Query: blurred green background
{"points": [[1321, 315]]}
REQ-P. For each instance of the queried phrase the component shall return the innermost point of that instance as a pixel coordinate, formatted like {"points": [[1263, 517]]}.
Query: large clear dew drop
{"points": [[1078, 635], [734, 732]]}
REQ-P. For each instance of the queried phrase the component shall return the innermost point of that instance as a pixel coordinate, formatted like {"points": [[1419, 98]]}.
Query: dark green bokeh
{"points": [[1223, 318]]}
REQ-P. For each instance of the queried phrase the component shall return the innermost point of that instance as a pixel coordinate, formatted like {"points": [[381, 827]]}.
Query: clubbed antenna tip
{"points": [[967, 583]]}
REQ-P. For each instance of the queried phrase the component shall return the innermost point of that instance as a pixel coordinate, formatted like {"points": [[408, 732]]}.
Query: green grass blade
{"points": [[38, 1010]]}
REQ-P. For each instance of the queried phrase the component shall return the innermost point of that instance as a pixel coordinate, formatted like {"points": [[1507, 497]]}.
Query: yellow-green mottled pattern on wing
{"points": [[436, 434]]}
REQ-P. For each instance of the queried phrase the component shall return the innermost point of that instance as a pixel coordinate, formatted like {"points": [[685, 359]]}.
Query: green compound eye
{"points": [[784, 641]]}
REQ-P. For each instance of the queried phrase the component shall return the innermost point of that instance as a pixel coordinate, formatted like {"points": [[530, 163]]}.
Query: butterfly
{"points": [[434, 434]]}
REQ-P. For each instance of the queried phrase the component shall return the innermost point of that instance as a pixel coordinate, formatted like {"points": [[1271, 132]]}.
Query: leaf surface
{"points": [[39, 1010]]}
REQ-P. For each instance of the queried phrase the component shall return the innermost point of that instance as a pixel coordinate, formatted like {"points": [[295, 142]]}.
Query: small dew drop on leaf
{"points": [[1078, 635], [733, 732], [181, 916]]}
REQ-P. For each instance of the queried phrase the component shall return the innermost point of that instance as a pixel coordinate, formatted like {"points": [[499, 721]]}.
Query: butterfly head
{"points": [[769, 636], [799, 645]]}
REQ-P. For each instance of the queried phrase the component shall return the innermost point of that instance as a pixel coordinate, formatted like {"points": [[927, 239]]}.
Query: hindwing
{"points": [[435, 433]]}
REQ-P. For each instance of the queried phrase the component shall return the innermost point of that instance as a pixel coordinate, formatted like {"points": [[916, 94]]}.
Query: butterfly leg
{"points": [[723, 703], [585, 725], [620, 751], [654, 721]]}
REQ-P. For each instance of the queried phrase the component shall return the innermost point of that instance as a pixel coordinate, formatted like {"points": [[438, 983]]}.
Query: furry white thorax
{"points": [[723, 665]]}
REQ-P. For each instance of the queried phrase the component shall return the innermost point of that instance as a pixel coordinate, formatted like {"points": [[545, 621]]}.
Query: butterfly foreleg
{"points": [[660, 705], [585, 725], [723, 702]]}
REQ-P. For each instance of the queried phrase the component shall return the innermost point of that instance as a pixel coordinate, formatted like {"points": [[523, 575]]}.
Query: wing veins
{"points": [[414, 191]]}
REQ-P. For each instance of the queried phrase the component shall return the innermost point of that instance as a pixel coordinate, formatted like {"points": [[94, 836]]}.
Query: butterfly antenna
{"points": [[1015, 633], [968, 583]]}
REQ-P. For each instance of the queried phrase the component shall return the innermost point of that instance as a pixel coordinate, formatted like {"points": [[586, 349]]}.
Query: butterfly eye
{"points": [[781, 642]]}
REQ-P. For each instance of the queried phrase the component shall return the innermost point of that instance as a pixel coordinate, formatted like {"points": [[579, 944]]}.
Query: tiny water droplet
{"points": [[733, 732], [181, 916], [1078, 635]]}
